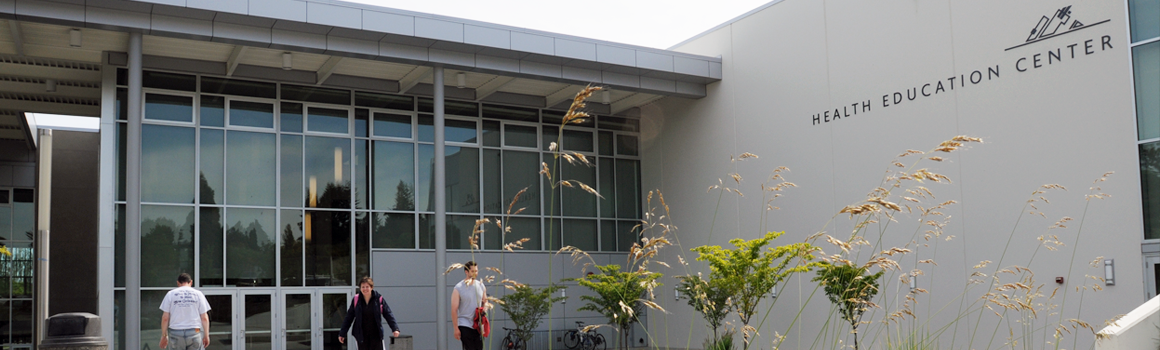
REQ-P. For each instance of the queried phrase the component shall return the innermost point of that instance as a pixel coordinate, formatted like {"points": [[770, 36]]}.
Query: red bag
{"points": [[480, 322]]}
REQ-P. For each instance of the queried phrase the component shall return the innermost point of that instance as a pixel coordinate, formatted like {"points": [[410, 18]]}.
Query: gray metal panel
{"points": [[291, 10], [356, 46], [454, 46], [57, 12], [234, 6], [658, 84], [356, 34], [593, 65], [24, 176], [408, 40], [532, 268], [691, 88], [182, 25], [388, 22], [187, 65], [484, 36], [685, 65], [117, 18], [7, 7], [497, 63], [6, 171], [225, 17], [715, 70], [516, 99], [620, 79], [615, 55], [403, 51], [166, 2], [236, 33], [501, 53], [302, 27], [331, 15], [269, 73], [397, 268], [422, 334], [120, 5], [184, 12], [581, 74], [533, 43], [291, 39], [362, 83], [575, 49], [438, 30], [551, 70], [452, 57], [654, 61], [413, 304]]}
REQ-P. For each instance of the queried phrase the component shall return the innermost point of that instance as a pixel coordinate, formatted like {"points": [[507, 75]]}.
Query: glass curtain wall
{"points": [[260, 184], [1144, 18], [17, 230]]}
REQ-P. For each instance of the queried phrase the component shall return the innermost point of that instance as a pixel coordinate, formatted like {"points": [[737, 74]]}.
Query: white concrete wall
{"points": [[1066, 122]]}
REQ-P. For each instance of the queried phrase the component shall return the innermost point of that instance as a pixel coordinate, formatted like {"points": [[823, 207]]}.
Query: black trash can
{"points": [[73, 331]]}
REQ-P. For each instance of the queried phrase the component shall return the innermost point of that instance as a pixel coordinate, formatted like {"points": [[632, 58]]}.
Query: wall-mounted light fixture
{"points": [[564, 294], [605, 96], [461, 80], [913, 282], [286, 61], [676, 294], [1109, 272], [74, 37], [774, 292], [50, 85]]}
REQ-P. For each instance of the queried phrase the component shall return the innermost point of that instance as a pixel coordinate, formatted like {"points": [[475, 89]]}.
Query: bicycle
{"points": [[513, 341], [589, 340]]}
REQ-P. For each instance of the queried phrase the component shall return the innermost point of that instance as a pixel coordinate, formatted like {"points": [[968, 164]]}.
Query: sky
{"points": [[648, 23]]}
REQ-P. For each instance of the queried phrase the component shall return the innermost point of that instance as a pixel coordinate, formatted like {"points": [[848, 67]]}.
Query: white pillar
{"points": [[43, 217], [133, 200], [440, 215]]}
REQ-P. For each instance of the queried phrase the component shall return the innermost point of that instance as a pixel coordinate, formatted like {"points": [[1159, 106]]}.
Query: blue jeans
{"points": [[185, 339]]}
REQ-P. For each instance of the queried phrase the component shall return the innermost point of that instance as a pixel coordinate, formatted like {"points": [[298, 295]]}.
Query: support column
{"points": [[43, 218], [107, 198], [440, 215], [133, 200]]}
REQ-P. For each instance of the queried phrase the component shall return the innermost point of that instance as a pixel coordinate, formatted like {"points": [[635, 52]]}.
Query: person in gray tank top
{"points": [[468, 295]]}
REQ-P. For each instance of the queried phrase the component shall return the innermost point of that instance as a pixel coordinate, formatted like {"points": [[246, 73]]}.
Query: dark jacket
{"points": [[378, 307]]}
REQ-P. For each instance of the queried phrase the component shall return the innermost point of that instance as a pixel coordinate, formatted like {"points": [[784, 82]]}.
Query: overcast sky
{"points": [[650, 23]]}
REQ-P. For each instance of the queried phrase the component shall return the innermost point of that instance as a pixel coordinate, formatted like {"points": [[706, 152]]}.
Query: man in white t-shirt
{"points": [[184, 323]]}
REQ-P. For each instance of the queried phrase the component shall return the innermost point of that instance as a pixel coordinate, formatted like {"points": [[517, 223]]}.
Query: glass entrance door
{"points": [[299, 310], [313, 318], [1152, 272], [258, 317], [221, 319], [333, 306]]}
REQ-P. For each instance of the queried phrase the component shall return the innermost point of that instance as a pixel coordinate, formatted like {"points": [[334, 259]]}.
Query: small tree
{"points": [[712, 298], [754, 270], [851, 289], [525, 306], [620, 296]]}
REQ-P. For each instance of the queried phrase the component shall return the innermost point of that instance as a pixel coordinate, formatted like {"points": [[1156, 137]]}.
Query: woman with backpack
{"points": [[364, 312]]}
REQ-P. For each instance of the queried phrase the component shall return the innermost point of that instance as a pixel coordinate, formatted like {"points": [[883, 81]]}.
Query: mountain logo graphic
{"points": [[1057, 24]]}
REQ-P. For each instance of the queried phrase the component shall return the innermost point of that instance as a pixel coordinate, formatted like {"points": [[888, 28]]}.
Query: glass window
{"points": [[462, 179], [291, 241], [493, 202], [213, 110], [362, 244], [119, 246], [250, 243], [616, 123], [580, 234], [166, 244], [627, 189], [328, 248], [425, 180], [327, 120], [577, 201], [221, 317], [1146, 59], [250, 168], [362, 175], [1150, 186], [605, 143], [626, 234], [368, 99], [5, 223], [122, 104], [553, 234], [607, 236], [392, 125], [291, 117], [426, 231], [238, 87], [426, 128], [394, 172], [626, 145], [607, 187], [253, 114], [525, 228], [327, 163], [315, 94], [493, 236], [1145, 17], [122, 141], [291, 172], [459, 131], [579, 141], [169, 81], [170, 108], [360, 122], [167, 164], [211, 242], [491, 133], [557, 118], [519, 135], [459, 230], [521, 173], [552, 196], [510, 113], [393, 230], [212, 177]]}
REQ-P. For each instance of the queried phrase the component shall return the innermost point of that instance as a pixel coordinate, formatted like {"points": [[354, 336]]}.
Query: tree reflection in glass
{"points": [[292, 243], [166, 244], [250, 247], [327, 238]]}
